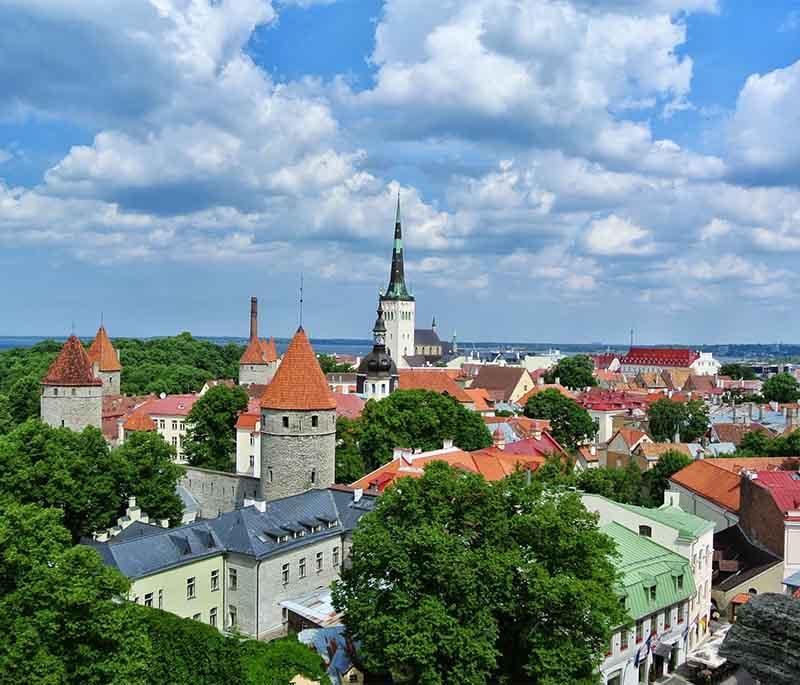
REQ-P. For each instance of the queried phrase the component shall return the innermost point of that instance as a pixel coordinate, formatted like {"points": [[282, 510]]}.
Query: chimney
{"points": [[672, 499], [131, 503], [537, 433], [447, 444], [499, 439], [253, 317], [593, 450], [358, 493], [164, 523]]}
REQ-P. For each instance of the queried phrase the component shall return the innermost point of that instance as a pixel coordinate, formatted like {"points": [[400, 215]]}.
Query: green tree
{"points": [[328, 364], [7, 422], [621, 485], [667, 418], [781, 388], [211, 428], [349, 462], [754, 444], [738, 372], [57, 467], [458, 581], [417, 419], [59, 615], [151, 475], [570, 423], [696, 423], [656, 480], [279, 661], [23, 399], [576, 372]]}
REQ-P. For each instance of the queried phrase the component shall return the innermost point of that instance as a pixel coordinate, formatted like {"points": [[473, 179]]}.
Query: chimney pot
{"points": [[131, 502], [447, 444], [164, 523], [358, 493], [253, 317]]}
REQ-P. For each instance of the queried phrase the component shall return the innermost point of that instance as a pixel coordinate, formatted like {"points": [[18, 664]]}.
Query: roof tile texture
{"points": [[299, 383], [434, 380], [102, 353], [71, 366]]}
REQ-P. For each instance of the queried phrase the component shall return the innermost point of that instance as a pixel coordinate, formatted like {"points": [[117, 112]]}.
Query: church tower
{"points": [[72, 396], [397, 304], [377, 374], [298, 425], [105, 362]]}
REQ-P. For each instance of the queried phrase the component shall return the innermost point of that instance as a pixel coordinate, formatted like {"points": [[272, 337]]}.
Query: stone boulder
{"points": [[764, 641]]}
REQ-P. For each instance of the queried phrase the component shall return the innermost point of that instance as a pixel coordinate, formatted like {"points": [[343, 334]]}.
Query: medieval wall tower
{"points": [[259, 362], [298, 425], [105, 362], [397, 304], [72, 397]]}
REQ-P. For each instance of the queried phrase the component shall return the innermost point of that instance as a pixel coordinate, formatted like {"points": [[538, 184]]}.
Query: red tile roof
{"points": [[604, 360], [259, 351], [71, 367], [545, 446], [480, 398], [784, 488], [139, 421], [712, 482], [170, 405], [435, 380], [492, 463], [348, 405], [659, 356], [734, 432], [102, 352], [630, 435], [299, 383], [248, 421]]}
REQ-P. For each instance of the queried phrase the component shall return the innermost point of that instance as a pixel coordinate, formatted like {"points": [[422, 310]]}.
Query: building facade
{"points": [[377, 375], [397, 303]]}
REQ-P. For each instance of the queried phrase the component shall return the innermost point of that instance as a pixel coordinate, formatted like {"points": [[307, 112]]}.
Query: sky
{"points": [[567, 169]]}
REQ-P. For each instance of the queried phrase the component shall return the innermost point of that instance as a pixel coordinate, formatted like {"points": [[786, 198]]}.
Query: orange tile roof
{"points": [[480, 398], [71, 366], [102, 352], [656, 449], [434, 380], [259, 351], [248, 421], [631, 436], [712, 482], [492, 463], [299, 382], [736, 464], [139, 421]]}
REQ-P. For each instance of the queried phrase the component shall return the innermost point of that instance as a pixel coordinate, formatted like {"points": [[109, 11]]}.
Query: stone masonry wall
{"points": [[111, 381], [218, 491], [291, 453], [260, 374], [72, 407]]}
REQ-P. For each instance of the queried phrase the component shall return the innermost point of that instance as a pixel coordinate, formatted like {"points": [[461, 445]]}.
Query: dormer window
{"points": [[645, 531], [652, 593]]}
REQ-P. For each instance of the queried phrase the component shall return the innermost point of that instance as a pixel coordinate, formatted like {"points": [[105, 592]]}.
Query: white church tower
{"points": [[398, 304]]}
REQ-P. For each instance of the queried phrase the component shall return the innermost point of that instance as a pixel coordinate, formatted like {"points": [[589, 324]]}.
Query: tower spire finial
{"points": [[397, 214], [301, 299]]}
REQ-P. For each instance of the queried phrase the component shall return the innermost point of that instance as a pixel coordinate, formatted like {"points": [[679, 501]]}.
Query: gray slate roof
{"points": [[245, 531], [426, 336]]}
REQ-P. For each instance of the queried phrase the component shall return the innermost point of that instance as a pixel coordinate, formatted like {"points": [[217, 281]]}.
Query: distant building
{"points": [[397, 303], [427, 343], [504, 383], [377, 375], [166, 415], [72, 396], [656, 359], [259, 362]]}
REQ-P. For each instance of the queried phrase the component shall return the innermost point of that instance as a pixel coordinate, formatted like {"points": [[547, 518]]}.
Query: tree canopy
{"points": [[458, 581], [668, 418], [781, 387], [328, 364], [79, 474], [656, 480], [570, 423], [417, 419], [349, 462], [211, 428], [759, 444], [738, 372], [576, 372]]}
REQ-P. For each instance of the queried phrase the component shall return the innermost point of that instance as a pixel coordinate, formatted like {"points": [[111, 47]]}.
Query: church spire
{"points": [[397, 289]]}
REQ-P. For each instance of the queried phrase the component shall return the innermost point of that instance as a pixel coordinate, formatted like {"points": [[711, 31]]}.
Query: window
{"points": [[212, 617], [623, 639], [55, 392], [162, 423], [183, 425], [680, 613], [233, 581], [284, 614], [336, 556], [639, 631], [752, 591], [174, 425], [190, 588], [285, 574], [679, 582], [301, 568], [353, 678], [646, 531], [252, 441], [214, 580], [319, 562], [285, 421], [313, 475], [148, 599], [174, 441], [252, 462], [315, 421], [160, 599], [74, 392], [269, 474], [197, 617], [652, 593], [233, 617], [667, 618]]}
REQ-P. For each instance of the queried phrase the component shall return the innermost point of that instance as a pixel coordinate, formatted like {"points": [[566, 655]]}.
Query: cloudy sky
{"points": [[567, 169]]}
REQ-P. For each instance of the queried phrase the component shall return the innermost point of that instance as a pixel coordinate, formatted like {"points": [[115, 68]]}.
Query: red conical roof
{"points": [[71, 367], [102, 352], [299, 382]]}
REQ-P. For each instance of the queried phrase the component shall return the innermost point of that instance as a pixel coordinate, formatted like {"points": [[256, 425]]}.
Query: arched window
{"points": [[752, 591]]}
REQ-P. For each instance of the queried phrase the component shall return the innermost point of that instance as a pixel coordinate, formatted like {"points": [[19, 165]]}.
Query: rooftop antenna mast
{"points": [[631, 337], [301, 299]]}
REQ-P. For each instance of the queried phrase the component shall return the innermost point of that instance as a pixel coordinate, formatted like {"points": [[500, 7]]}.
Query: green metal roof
{"points": [[642, 563], [688, 525]]}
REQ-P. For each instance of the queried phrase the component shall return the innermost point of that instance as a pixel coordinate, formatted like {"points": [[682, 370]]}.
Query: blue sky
{"points": [[568, 168]]}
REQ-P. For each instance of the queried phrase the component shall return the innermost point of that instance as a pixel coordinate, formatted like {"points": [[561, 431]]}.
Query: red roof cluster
{"points": [[71, 367], [299, 383], [348, 405], [660, 356], [616, 400]]}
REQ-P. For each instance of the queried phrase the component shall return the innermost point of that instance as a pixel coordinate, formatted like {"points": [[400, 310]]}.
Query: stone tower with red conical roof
{"points": [[298, 425], [72, 397], [259, 362], [105, 362]]}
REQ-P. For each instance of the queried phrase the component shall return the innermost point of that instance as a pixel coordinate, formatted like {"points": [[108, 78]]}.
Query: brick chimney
{"points": [[253, 317]]}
